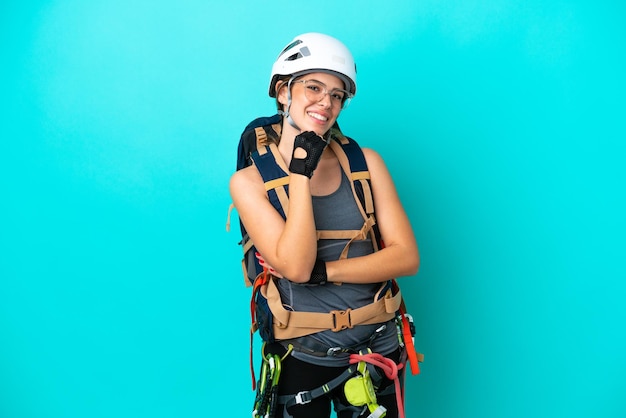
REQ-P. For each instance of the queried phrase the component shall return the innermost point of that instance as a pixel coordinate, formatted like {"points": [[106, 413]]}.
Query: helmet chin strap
{"points": [[286, 113]]}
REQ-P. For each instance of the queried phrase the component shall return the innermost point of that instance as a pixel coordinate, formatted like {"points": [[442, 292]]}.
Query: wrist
{"points": [[298, 166], [319, 274]]}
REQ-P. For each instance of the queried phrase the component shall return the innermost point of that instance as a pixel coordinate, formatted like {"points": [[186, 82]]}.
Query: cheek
{"points": [[299, 103], [335, 114]]}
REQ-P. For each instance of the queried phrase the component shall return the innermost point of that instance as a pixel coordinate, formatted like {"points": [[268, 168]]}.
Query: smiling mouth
{"points": [[318, 116]]}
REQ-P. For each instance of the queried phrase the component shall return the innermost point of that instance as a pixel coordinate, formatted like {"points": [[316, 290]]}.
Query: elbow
{"points": [[297, 274], [300, 279], [415, 267], [413, 264], [408, 260]]}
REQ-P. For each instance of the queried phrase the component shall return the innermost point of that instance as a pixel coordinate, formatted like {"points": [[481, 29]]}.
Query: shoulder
{"points": [[246, 180], [246, 175], [352, 148], [379, 173], [373, 159]]}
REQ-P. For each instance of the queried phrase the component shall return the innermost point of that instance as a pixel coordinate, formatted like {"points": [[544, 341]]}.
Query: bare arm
{"points": [[400, 257], [289, 246]]}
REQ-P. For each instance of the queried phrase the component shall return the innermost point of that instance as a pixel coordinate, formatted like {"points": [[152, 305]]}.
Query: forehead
{"points": [[331, 81]]}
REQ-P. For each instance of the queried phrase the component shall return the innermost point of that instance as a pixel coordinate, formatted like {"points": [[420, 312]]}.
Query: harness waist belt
{"points": [[308, 346], [293, 324]]}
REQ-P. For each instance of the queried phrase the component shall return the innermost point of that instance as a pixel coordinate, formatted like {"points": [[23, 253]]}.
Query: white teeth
{"points": [[318, 117]]}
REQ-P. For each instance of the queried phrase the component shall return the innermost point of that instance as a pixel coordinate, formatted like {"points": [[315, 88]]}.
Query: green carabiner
{"points": [[263, 390], [274, 391]]}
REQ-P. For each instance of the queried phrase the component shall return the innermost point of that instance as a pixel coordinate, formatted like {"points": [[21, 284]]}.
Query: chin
{"points": [[321, 132], [321, 129]]}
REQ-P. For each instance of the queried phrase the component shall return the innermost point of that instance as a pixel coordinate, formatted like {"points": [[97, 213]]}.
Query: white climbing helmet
{"points": [[315, 52]]}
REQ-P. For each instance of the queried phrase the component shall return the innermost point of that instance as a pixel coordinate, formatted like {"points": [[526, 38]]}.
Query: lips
{"points": [[317, 116]]}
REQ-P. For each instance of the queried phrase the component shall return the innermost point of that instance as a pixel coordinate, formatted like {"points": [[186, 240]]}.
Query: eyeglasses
{"points": [[315, 91]]}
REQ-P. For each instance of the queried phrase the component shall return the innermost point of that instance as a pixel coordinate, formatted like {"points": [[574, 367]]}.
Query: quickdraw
{"points": [[266, 400]]}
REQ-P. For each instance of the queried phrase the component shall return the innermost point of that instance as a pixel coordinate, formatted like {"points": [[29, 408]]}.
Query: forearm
{"points": [[296, 248], [297, 245], [400, 256], [391, 262]]}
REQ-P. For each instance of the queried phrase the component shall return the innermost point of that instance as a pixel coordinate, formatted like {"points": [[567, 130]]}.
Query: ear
{"points": [[281, 92]]}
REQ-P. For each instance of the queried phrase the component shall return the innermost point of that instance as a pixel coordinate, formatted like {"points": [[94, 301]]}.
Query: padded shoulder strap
{"points": [[353, 163], [255, 135], [274, 172], [258, 138]]}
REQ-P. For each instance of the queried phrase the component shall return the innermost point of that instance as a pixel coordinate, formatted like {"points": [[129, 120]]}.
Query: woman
{"points": [[312, 80]]}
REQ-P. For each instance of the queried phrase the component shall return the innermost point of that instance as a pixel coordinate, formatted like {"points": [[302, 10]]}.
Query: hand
{"points": [[269, 268], [314, 146]]}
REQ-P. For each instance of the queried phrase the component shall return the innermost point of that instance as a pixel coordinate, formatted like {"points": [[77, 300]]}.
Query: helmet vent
{"points": [[291, 45], [304, 52]]}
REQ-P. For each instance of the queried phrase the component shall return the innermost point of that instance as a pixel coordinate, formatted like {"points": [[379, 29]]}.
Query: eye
{"points": [[313, 87], [336, 95]]}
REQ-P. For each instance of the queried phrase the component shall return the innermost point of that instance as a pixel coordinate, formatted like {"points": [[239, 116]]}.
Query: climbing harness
{"points": [[311, 347], [360, 382]]}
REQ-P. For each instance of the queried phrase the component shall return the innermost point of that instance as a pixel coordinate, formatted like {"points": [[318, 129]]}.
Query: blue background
{"points": [[502, 122]]}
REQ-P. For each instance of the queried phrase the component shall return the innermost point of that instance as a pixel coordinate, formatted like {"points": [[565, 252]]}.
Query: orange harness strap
{"points": [[414, 357], [258, 283]]}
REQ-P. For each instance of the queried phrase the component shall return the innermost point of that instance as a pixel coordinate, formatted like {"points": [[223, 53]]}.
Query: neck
{"points": [[287, 138]]}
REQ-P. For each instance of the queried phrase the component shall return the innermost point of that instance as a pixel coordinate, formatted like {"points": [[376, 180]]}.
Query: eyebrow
{"points": [[323, 84]]}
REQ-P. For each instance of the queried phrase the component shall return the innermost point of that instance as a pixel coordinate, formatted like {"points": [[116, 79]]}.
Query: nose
{"points": [[325, 100]]}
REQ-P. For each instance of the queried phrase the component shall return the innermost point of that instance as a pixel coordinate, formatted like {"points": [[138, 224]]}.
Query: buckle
{"points": [[409, 317], [332, 351], [341, 320], [303, 397]]}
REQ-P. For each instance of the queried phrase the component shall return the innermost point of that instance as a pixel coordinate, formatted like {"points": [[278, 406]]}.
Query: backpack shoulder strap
{"points": [[275, 174], [352, 161], [257, 133], [256, 136]]}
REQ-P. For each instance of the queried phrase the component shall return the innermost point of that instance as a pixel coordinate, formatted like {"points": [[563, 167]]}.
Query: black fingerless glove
{"points": [[314, 146], [318, 275]]}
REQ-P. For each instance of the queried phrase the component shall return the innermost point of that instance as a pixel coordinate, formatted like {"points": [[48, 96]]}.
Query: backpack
{"points": [[258, 146]]}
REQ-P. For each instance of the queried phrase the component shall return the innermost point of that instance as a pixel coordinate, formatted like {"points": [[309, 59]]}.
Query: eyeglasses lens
{"points": [[315, 91]]}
